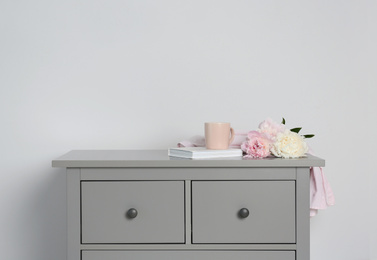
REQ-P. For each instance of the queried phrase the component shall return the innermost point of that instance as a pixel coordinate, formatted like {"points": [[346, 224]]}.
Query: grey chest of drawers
{"points": [[142, 205]]}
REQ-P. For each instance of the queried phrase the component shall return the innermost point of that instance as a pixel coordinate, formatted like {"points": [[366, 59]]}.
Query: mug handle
{"points": [[231, 135]]}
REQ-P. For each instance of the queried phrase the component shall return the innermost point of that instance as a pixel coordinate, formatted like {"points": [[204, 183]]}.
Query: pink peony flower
{"points": [[257, 145], [271, 129]]}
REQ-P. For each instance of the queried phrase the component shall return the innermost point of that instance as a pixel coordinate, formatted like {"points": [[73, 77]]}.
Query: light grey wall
{"points": [[128, 74]]}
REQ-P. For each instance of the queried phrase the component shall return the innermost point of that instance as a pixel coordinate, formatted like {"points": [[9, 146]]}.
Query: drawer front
{"points": [[107, 215], [188, 255], [217, 215]]}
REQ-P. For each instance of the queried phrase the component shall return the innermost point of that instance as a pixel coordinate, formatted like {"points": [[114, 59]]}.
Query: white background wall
{"points": [[141, 74]]}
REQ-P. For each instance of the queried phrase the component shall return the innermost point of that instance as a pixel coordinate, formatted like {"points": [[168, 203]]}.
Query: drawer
{"points": [[188, 255], [216, 211], [106, 214]]}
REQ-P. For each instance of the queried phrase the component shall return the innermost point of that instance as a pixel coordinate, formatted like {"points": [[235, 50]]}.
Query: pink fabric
{"points": [[321, 194]]}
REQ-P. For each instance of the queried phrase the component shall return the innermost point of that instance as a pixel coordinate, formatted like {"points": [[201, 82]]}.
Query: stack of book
{"points": [[203, 153]]}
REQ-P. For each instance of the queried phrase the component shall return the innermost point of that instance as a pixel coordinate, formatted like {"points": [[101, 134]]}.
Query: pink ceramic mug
{"points": [[218, 135]]}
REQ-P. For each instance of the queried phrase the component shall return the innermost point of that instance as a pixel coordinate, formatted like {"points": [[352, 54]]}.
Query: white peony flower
{"points": [[289, 145]]}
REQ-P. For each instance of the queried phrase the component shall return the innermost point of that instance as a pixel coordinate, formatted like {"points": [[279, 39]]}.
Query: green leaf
{"points": [[283, 122], [296, 130], [308, 136]]}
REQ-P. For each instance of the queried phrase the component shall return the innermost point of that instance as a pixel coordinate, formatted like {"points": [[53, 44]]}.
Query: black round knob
{"points": [[243, 213], [131, 213]]}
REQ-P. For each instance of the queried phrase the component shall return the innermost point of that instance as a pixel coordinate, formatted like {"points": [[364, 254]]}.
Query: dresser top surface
{"points": [[160, 158]]}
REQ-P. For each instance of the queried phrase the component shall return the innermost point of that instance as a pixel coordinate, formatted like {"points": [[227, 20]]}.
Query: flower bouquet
{"points": [[274, 138]]}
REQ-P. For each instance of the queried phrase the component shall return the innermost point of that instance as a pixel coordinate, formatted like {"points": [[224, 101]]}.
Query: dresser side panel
{"points": [[302, 214], [73, 214]]}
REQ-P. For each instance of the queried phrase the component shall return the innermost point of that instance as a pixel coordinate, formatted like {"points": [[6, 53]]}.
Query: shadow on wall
{"points": [[48, 205]]}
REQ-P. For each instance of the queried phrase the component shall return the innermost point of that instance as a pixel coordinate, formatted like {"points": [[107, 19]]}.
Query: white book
{"points": [[202, 152]]}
